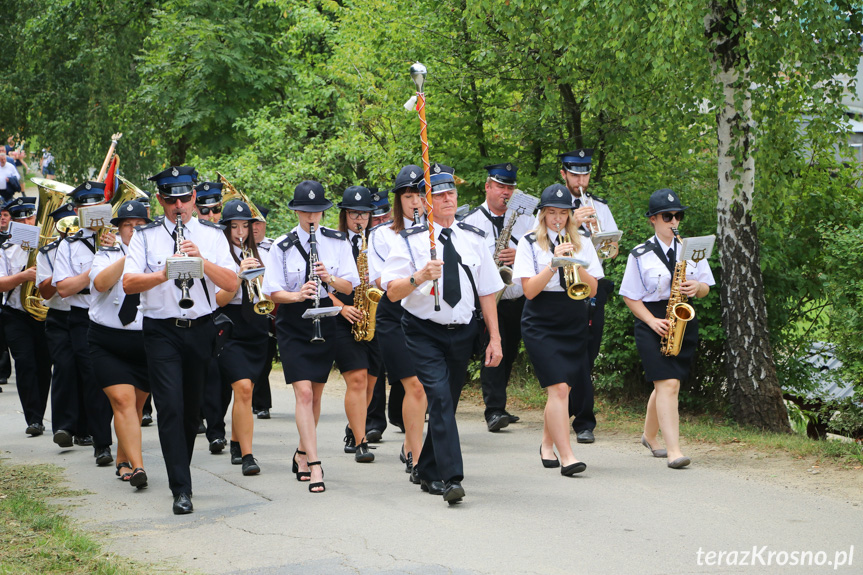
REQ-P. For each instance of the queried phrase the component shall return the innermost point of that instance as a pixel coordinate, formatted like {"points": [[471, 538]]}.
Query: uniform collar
{"points": [[303, 235], [491, 213], [409, 223], [665, 247], [352, 234]]}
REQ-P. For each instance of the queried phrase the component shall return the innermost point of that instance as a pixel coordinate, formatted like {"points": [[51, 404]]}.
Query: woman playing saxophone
{"points": [[648, 283]]}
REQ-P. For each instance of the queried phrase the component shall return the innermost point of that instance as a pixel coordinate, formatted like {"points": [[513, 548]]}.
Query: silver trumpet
{"points": [[186, 302]]}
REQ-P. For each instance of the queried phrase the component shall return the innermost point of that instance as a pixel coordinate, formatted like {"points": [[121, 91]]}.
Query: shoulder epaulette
{"points": [[414, 230], [531, 237], [48, 247], [109, 249], [382, 224], [336, 234], [642, 249], [286, 243], [6, 245], [75, 237], [471, 228], [597, 198], [212, 224], [154, 224], [472, 212]]}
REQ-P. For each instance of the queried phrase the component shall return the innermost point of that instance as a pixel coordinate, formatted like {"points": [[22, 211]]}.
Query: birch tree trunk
{"points": [[753, 388]]}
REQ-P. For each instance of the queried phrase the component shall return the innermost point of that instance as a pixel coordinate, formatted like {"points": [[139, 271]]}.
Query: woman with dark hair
{"points": [[407, 204], [554, 324], [298, 284], [646, 288], [241, 359], [358, 361]]}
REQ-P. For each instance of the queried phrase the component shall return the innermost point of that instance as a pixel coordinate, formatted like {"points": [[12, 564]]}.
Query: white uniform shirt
{"points": [[286, 269], [530, 260], [73, 258], [648, 279], [45, 270], [523, 225], [8, 171], [381, 240], [603, 214], [153, 244], [14, 261], [238, 297], [409, 254], [104, 306]]}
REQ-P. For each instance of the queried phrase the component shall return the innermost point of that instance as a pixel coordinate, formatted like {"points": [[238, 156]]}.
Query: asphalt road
{"points": [[626, 514]]}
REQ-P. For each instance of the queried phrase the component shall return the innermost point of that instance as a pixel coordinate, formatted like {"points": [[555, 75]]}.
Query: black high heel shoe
{"points": [[548, 463], [295, 468], [313, 486]]}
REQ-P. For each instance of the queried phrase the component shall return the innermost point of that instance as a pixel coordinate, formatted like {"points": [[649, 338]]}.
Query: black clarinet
{"points": [[313, 276]]}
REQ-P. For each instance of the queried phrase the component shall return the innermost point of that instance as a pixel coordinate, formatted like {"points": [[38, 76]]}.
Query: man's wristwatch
{"points": [[413, 281]]}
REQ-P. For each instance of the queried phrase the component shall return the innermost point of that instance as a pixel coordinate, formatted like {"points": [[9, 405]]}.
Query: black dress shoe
{"points": [[374, 435], [3, 380], [512, 418], [432, 487], [414, 477], [263, 414], [201, 428], [585, 436], [497, 421], [401, 426], [217, 445], [236, 453], [453, 492], [183, 504], [83, 440], [250, 465], [103, 455], [363, 454], [568, 470], [548, 463], [146, 420], [63, 438], [350, 441], [35, 429]]}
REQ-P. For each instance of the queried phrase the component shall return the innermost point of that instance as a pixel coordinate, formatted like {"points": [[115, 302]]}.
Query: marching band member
{"points": [[177, 340], [291, 281], [554, 326], [646, 287], [441, 341], [398, 360], [242, 357], [575, 172], [24, 334], [116, 341], [376, 414], [358, 361], [72, 280], [262, 399], [68, 411], [490, 218], [217, 396]]}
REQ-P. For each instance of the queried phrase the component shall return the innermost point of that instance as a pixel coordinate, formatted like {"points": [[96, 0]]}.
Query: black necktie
{"points": [[356, 246], [129, 309], [497, 222], [560, 269], [672, 257], [451, 261], [577, 203], [247, 309]]}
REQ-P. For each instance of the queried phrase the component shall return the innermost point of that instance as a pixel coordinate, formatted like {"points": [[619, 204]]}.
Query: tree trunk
{"points": [[753, 388], [177, 151], [572, 116]]}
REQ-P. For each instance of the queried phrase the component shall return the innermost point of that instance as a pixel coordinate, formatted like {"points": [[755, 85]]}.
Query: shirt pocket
{"points": [[295, 279], [654, 279]]}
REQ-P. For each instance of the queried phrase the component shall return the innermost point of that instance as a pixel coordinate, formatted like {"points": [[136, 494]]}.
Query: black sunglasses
{"points": [[204, 210], [668, 216], [171, 200]]}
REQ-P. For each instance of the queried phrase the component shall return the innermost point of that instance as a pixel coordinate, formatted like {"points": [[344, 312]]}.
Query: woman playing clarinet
{"points": [[293, 281]]}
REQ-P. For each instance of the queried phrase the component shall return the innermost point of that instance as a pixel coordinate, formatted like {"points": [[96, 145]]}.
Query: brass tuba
{"points": [[52, 195], [366, 296], [678, 312], [575, 288], [229, 192]]}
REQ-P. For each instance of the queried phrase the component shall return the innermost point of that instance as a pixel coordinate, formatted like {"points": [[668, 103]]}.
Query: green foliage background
{"points": [[271, 92]]}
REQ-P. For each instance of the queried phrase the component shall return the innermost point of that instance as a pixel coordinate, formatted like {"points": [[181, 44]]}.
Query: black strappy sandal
{"points": [[138, 478], [124, 476], [295, 468], [313, 486]]}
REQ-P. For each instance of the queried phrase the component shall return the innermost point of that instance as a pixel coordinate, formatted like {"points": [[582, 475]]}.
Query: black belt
{"points": [[12, 310], [443, 325], [183, 322]]}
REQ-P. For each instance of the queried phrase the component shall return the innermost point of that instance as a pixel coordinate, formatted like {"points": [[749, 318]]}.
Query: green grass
{"points": [[37, 538]]}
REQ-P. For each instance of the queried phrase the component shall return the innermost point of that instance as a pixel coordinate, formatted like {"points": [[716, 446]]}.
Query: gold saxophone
{"points": [[52, 195], [678, 312], [366, 296], [575, 288]]}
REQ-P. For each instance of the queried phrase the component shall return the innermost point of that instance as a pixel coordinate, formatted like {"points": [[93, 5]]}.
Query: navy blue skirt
{"points": [[302, 359], [657, 366], [554, 329], [391, 339]]}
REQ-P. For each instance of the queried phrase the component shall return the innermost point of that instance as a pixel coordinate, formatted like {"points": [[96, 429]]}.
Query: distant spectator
{"points": [[47, 163], [9, 182], [17, 157]]}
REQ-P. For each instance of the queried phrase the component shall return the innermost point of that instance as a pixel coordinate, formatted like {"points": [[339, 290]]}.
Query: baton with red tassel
{"points": [[418, 75]]}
